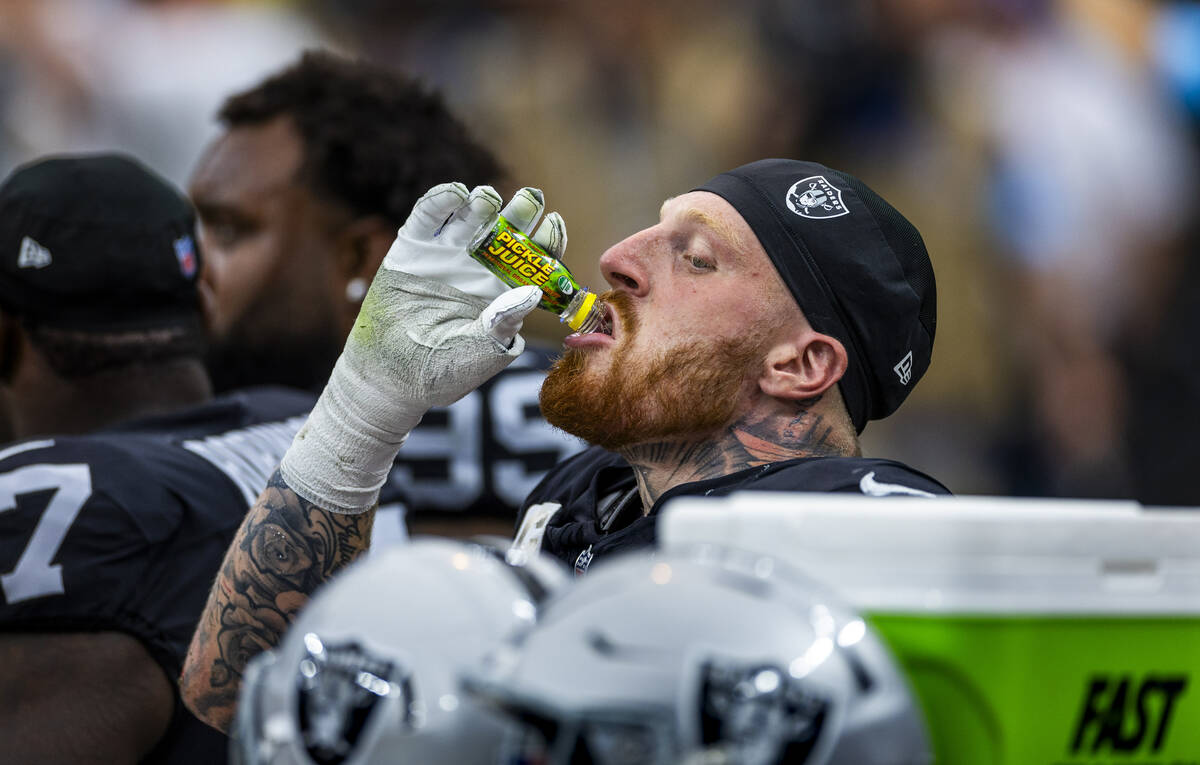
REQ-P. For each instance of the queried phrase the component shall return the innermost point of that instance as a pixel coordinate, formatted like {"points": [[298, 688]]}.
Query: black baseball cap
{"points": [[97, 242], [857, 268]]}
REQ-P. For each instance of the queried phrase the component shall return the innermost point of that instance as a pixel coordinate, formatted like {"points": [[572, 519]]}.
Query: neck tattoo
{"points": [[661, 465]]}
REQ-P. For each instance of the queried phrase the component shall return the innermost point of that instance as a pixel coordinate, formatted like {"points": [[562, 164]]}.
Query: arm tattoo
{"points": [[284, 550], [745, 443]]}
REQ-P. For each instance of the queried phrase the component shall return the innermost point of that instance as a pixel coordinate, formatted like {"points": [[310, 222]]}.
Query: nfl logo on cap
{"points": [[185, 253]]}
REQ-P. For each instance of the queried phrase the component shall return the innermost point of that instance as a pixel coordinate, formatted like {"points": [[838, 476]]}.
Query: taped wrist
{"points": [[341, 456], [416, 343]]}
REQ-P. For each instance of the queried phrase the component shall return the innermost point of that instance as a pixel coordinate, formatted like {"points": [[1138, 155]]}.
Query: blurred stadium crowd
{"points": [[1046, 150]]}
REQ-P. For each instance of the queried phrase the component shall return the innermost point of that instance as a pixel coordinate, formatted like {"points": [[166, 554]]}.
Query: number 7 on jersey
{"points": [[34, 576]]}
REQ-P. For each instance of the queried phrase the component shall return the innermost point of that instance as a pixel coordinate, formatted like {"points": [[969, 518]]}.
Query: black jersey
{"points": [[589, 506], [124, 529]]}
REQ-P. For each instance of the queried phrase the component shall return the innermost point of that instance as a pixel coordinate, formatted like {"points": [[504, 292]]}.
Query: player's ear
{"points": [[803, 366], [361, 247]]}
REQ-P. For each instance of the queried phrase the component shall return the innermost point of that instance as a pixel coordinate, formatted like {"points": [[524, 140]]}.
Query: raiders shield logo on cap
{"points": [[815, 197]]}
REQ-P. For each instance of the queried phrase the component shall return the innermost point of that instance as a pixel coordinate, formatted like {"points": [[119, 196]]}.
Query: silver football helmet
{"points": [[703, 656], [369, 671]]}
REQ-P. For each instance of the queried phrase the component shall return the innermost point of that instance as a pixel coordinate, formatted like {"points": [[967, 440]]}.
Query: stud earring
{"points": [[356, 289]]}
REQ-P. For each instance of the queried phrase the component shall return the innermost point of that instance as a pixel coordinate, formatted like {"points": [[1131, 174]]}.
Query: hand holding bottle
{"points": [[433, 243], [420, 340], [502, 246]]}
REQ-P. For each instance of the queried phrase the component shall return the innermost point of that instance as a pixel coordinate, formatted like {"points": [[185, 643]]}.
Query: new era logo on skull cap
{"points": [[815, 197], [903, 369], [32, 255]]}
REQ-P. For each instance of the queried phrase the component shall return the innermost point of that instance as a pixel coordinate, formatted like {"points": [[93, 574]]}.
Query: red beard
{"points": [[686, 390]]}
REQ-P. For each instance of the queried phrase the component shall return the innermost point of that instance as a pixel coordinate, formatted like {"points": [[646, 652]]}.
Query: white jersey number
{"points": [[521, 434], [457, 446], [34, 575]]}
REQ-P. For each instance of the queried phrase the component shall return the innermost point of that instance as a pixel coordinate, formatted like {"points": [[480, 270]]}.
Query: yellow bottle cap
{"points": [[576, 321]]}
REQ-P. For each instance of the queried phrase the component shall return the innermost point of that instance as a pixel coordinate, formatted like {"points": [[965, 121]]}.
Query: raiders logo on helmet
{"points": [[340, 686], [758, 713]]}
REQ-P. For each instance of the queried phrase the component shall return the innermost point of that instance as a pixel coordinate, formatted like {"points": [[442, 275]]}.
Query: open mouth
{"points": [[606, 321], [605, 327]]}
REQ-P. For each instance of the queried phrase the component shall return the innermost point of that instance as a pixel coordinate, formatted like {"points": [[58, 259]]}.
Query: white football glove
{"points": [[453, 215], [420, 340]]}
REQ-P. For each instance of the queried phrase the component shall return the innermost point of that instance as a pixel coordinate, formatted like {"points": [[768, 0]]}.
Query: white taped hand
{"points": [[432, 243], [417, 342], [504, 316]]}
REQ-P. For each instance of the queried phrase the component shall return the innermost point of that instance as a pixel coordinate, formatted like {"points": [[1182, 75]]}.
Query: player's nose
{"points": [[624, 265]]}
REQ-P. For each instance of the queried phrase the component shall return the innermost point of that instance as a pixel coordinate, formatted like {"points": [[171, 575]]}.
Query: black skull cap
{"points": [[857, 268]]}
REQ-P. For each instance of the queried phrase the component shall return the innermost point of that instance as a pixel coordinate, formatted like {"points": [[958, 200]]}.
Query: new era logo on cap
{"points": [[32, 255], [815, 197], [903, 369]]}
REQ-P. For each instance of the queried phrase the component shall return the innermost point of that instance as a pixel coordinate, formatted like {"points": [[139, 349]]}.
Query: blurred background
{"points": [[1045, 149]]}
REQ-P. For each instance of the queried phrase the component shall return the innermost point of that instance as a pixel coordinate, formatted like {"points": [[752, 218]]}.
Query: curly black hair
{"points": [[374, 140]]}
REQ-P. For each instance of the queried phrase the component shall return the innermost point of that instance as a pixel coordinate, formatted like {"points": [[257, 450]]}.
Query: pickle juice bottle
{"points": [[517, 260]]}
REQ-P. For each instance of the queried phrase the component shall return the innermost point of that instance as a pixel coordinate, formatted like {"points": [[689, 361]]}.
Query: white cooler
{"points": [[1034, 632]]}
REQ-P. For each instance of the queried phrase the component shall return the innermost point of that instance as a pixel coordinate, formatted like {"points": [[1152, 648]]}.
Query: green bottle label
{"points": [[518, 260]]}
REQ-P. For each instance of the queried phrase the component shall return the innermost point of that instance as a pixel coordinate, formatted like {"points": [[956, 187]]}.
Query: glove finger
{"points": [[552, 235], [524, 209], [432, 210], [481, 205], [503, 317]]}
